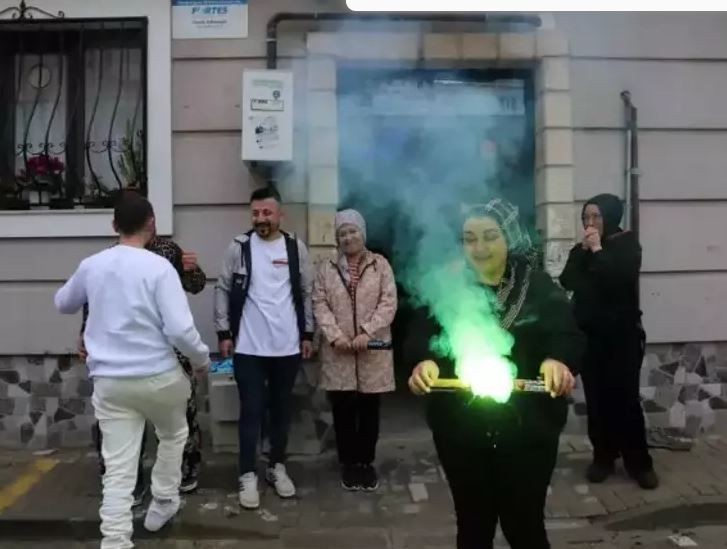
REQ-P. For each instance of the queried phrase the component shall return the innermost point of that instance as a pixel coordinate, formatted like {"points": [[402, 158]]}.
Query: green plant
{"points": [[131, 161]]}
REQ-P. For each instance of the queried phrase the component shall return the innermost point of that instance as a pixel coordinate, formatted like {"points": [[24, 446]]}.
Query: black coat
{"points": [[544, 329], [605, 285]]}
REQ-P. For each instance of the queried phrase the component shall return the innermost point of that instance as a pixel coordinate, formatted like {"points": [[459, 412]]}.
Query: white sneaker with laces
{"points": [[159, 513], [278, 478], [249, 494]]}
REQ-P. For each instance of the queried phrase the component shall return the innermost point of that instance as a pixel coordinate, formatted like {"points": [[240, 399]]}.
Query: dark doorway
{"points": [[407, 136]]}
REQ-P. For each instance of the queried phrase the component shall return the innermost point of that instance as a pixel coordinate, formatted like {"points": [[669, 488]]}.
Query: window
{"points": [[73, 115], [84, 112]]}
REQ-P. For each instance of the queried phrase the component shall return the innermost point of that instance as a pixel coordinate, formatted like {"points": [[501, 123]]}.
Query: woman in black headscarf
{"points": [[603, 272], [498, 458]]}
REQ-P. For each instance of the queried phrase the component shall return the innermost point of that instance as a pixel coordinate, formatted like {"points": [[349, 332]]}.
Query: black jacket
{"points": [[605, 284], [544, 329]]}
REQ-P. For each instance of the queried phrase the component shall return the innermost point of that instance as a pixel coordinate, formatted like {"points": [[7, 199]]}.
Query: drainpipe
{"points": [[632, 172], [528, 21]]}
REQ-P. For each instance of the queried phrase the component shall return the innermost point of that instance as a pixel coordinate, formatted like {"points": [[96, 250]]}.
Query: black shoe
{"points": [[139, 494], [598, 472], [350, 478], [189, 484], [369, 478], [647, 480]]}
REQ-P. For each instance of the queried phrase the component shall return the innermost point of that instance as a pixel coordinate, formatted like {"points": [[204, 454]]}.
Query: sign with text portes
{"points": [[209, 19]]}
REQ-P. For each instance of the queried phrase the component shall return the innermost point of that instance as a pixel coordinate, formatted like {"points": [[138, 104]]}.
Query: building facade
{"points": [[672, 64]]}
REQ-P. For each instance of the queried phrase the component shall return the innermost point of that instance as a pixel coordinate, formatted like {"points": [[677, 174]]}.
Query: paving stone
{"points": [[418, 492], [610, 500]]}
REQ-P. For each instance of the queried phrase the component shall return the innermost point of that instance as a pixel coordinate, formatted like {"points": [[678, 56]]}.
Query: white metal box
{"points": [[267, 116]]}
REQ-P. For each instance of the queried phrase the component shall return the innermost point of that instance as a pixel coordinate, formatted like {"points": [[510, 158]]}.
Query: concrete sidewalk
{"points": [[55, 499]]}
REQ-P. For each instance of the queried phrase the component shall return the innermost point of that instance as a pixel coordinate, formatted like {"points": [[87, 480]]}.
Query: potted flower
{"points": [[46, 174]]}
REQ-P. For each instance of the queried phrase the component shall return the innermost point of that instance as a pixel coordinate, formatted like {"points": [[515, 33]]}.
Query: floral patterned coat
{"points": [[371, 311]]}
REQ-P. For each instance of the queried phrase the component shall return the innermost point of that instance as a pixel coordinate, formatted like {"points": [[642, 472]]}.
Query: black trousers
{"points": [[506, 482], [264, 383], [611, 375], [356, 423]]}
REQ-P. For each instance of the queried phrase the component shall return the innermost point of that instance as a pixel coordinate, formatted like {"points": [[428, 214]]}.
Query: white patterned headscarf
{"points": [[507, 216]]}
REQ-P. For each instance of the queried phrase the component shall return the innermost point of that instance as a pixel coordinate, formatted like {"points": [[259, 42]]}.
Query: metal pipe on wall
{"points": [[631, 172]]}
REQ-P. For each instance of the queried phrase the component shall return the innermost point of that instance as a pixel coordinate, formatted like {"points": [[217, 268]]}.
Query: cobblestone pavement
{"points": [[411, 509]]}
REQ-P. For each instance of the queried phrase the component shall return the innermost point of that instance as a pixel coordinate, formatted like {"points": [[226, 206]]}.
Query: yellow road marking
{"points": [[30, 477]]}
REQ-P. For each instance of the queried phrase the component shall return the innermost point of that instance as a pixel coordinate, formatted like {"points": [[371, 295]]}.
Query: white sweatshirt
{"points": [[138, 313]]}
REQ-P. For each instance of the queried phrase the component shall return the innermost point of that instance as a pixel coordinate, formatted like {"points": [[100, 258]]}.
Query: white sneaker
{"points": [[279, 479], [249, 494], [159, 513]]}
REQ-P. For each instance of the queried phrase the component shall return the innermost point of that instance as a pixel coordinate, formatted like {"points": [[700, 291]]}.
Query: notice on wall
{"points": [[209, 19], [267, 115]]}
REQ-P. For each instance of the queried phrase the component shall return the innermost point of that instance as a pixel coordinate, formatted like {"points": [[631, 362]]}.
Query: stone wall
{"points": [[682, 386], [45, 401]]}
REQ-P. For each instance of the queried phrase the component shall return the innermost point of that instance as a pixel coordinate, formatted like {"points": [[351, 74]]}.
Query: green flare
{"points": [[471, 333]]}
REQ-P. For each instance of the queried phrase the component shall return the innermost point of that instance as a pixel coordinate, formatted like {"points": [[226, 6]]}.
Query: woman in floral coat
{"points": [[354, 301]]}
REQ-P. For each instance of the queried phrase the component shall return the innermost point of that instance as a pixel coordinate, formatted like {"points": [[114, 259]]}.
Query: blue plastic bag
{"points": [[222, 366]]}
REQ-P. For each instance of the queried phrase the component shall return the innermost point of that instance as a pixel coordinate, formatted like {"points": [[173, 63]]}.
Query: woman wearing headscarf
{"points": [[498, 458], [354, 302], [603, 273]]}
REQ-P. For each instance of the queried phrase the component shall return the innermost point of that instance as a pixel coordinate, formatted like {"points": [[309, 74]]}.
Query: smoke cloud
{"points": [[415, 147]]}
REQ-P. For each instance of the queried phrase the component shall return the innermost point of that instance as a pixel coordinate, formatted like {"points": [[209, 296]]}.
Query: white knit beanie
{"points": [[351, 217]]}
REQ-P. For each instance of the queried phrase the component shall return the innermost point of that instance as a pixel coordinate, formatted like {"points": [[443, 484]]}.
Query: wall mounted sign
{"points": [[209, 19]]}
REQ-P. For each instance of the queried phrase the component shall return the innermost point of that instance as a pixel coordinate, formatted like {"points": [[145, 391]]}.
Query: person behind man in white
{"points": [[138, 314], [263, 313]]}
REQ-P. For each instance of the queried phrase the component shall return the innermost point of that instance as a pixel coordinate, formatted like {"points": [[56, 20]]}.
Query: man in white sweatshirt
{"points": [[138, 315]]}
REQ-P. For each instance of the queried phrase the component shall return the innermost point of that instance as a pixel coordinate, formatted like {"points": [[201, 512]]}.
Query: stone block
{"points": [[442, 46], [516, 46], [322, 109], [551, 43], [688, 393], [554, 110], [690, 356], [322, 43], [554, 220], [553, 74], [680, 376], [11, 377], [323, 147], [323, 186], [321, 74], [554, 184], [479, 46], [321, 231], [678, 415], [651, 407], [389, 46], [557, 147], [712, 389], [694, 379], [657, 378]]}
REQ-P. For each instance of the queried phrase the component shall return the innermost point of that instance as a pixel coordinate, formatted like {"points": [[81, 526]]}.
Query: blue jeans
{"points": [[255, 374]]}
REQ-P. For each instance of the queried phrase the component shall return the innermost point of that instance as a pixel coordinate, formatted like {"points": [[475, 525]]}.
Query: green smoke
{"points": [[471, 333], [409, 175]]}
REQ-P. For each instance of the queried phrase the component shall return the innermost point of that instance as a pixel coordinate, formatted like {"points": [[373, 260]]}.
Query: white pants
{"points": [[123, 405]]}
